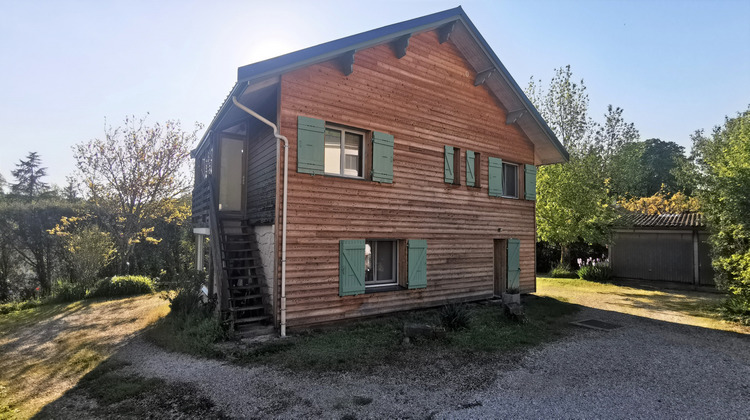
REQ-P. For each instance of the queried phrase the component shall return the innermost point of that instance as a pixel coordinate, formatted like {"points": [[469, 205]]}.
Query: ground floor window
{"points": [[381, 262]]}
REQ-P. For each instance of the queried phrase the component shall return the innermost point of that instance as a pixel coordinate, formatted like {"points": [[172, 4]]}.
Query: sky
{"points": [[67, 68]]}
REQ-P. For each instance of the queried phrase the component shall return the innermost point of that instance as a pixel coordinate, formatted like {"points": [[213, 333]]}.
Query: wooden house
{"points": [[408, 180]]}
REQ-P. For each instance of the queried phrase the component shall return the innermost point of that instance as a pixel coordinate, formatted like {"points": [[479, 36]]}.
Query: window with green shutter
{"points": [[310, 145], [382, 157], [495, 181], [452, 165], [473, 171], [351, 267], [530, 182], [514, 264], [417, 256]]}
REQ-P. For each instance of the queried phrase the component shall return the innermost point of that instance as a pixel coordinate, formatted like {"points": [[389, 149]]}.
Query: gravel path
{"points": [[645, 369]]}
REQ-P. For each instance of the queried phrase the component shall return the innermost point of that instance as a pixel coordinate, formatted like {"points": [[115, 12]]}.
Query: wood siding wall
{"points": [[261, 177], [427, 100]]}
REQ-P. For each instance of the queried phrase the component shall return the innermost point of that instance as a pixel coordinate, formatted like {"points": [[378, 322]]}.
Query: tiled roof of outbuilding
{"points": [[680, 220]]}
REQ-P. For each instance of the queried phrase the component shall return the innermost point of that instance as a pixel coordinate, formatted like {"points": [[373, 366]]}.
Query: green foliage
{"points": [[724, 160], [87, 250], [136, 163], [118, 286], [455, 316], [573, 203], [737, 309], [600, 273], [29, 174], [188, 299], [69, 292], [562, 271], [6, 308]]}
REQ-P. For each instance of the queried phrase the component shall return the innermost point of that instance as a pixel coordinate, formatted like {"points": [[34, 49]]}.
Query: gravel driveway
{"points": [[645, 369]]}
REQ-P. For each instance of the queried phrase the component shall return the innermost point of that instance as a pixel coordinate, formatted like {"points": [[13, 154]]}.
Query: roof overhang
{"points": [[454, 26]]}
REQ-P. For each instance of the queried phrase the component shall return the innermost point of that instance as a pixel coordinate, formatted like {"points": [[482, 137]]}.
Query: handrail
{"points": [[216, 244]]}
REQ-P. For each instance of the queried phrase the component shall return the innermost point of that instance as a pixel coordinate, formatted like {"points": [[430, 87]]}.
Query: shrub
{"points": [[68, 292], [455, 316], [189, 298], [123, 286], [9, 307], [737, 309], [594, 270], [562, 271]]}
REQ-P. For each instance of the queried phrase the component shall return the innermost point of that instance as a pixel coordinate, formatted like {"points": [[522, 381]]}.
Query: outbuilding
{"points": [[662, 247]]}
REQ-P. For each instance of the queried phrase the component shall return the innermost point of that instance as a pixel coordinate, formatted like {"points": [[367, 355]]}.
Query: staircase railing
{"points": [[219, 271]]}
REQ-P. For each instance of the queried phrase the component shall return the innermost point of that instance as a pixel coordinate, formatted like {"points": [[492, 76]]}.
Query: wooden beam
{"points": [[514, 116], [444, 32], [347, 62], [482, 77], [400, 44]]}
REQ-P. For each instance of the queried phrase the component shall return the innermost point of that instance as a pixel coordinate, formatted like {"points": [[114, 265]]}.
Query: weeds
{"points": [[455, 316], [562, 271]]}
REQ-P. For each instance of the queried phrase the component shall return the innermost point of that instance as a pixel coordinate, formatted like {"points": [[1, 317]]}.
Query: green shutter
{"points": [[470, 180], [310, 145], [417, 257], [449, 164], [382, 157], [495, 169], [351, 267], [529, 179], [514, 264]]}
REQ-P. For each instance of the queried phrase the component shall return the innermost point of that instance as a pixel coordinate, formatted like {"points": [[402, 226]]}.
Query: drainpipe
{"points": [[283, 228]]}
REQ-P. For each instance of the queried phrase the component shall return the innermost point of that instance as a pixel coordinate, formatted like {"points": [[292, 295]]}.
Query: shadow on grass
{"points": [[702, 306]]}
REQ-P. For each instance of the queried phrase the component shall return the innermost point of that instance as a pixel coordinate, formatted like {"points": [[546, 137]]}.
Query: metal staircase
{"points": [[248, 307]]}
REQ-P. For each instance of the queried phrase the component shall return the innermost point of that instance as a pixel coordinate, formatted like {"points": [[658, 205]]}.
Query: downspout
{"points": [[283, 223]]}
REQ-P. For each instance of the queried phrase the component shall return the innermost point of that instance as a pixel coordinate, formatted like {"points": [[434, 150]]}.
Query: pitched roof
{"points": [[454, 26], [679, 220]]}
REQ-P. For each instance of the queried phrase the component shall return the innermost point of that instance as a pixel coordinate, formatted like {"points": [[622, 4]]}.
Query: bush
{"points": [[189, 298], [600, 273], [68, 292], [123, 286], [594, 270], [737, 309], [562, 271], [7, 308], [455, 316]]}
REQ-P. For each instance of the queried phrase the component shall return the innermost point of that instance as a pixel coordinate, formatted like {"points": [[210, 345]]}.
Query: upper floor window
{"points": [[510, 180], [344, 152]]}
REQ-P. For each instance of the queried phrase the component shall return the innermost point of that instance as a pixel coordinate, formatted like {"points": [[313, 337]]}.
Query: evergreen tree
{"points": [[29, 174]]}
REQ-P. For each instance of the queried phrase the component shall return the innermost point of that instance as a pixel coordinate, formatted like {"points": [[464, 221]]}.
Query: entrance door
{"points": [[232, 174], [501, 263], [514, 265]]}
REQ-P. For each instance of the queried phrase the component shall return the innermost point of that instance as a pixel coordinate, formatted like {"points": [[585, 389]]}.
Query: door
{"points": [[514, 265], [232, 175], [501, 261]]}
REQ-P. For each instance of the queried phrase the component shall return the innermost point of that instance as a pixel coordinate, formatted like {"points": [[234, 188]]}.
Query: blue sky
{"points": [[674, 66]]}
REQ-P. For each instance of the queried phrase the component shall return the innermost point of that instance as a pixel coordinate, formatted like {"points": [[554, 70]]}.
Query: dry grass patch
{"points": [[47, 349], [679, 306]]}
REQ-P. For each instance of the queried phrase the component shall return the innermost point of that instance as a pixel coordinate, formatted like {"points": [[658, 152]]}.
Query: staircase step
{"points": [[244, 267], [246, 297], [245, 287], [246, 308], [251, 319], [241, 250]]}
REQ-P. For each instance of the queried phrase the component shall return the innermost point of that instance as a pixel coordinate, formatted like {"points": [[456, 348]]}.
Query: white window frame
{"points": [[342, 151], [382, 283], [505, 180]]}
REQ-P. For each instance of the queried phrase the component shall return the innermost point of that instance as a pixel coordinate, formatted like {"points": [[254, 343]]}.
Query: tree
{"points": [[573, 201], [724, 162], [660, 160], [661, 203], [564, 106], [87, 250], [2, 186], [614, 134], [133, 177], [29, 174], [573, 204]]}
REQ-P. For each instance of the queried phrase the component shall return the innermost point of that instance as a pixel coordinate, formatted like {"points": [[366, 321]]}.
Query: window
{"points": [[327, 149], [473, 169], [510, 180], [343, 152], [381, 263], [452, 165]]}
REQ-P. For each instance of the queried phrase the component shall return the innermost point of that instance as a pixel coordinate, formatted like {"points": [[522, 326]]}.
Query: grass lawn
{"points": [[369, 344], [681, 306], [47, 349]]}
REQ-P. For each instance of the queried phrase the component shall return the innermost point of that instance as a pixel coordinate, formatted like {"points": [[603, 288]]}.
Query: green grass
{"points": [[365, 345]]}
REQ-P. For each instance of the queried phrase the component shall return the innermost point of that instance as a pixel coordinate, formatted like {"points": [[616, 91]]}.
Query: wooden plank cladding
{"points": [[426, 100]]}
